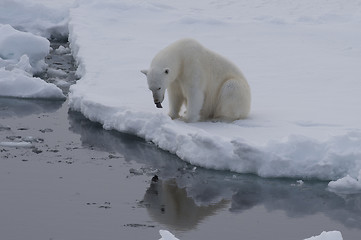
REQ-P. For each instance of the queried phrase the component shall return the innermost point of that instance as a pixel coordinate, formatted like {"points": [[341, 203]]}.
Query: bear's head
{"points": [[158, 81]]}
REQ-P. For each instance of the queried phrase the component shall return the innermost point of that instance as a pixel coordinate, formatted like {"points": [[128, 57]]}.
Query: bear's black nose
{"points": [[158, 105]]}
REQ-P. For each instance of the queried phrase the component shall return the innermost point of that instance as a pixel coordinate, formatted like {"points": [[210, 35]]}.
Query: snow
{"points": [[15, 144], [346, 185], [45, 18], [62, 50], [332, 235], [17, 83], [14, 44], [57, 72], [21, 56], [298, 183], [166, 235], [300, 58]]}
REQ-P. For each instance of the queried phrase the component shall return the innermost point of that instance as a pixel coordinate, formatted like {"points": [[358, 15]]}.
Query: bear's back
{"points": [[190, 48], [188, 53]]}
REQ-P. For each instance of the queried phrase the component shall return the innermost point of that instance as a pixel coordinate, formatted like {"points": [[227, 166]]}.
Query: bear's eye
{"points": [[166, 71], [159, 88]]}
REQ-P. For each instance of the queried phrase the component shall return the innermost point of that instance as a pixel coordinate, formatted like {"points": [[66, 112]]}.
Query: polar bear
{"points": [[210, 86]]}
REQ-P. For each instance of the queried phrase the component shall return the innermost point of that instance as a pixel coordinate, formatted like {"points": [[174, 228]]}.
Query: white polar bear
{"points": [[210, 86]]}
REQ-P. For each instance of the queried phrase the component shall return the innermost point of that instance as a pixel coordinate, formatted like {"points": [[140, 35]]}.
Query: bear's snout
{"points": [[158, 105], [158, 99]]}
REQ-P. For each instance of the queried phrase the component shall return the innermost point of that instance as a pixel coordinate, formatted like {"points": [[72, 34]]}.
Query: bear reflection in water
{"points": [[182, 208], [168, 204]]}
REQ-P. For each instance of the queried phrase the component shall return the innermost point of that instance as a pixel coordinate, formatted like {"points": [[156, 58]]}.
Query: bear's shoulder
{"points": [[186, 43], [182, 49]]}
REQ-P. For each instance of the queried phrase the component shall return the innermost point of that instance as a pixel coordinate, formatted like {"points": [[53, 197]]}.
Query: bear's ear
{"points": [[144, 71], [166, 70]]}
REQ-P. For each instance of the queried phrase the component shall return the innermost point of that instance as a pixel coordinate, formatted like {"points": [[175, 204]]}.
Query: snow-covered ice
{"points": [[332, 235], [62, 50], [346, 184], [166, 235], [15, 144], [21, 56], [19, 84], [14, 44], [57, 72], [45, 18], [300, 58]]}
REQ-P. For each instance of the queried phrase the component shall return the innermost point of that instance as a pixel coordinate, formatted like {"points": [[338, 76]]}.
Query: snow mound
{"points": [[14, 44], [21, 55], [166, 235], [40, 17], [62, 50], [16, 144], [346, 185], [18, 83], [332, 235]]}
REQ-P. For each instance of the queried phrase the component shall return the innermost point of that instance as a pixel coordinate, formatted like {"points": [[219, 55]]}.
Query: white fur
{"points": [[210, 86]]}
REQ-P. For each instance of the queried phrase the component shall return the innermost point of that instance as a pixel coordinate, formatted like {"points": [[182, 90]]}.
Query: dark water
{"points": [[78, 181], [60, 60]]}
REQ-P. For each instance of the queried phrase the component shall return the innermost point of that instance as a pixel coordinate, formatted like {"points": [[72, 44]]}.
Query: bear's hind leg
{"points": [[233, 100]]}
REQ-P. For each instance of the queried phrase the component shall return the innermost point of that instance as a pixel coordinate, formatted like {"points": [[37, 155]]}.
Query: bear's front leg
{"points": [[176, 100], [195, 100]]}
